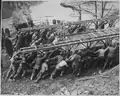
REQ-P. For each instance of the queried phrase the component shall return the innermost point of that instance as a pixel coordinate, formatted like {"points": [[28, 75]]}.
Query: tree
{"points": [[78, 8], [98, 9], [19, 10]]}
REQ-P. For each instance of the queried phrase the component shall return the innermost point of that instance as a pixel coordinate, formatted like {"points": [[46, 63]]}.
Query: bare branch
{"points": [[77, 9], [88, 12], [69, 6], [108, 11]]}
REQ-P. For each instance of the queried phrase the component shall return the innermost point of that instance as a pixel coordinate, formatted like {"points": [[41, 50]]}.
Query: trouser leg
{"points": [[62, 71], [98, 62], [79, 69], [33, 74], [110, 62], [39, 76], [106, 63], [19, 70], [74, 70], [9, 71], [102, 60], [14, 72], [95, 63], [53, 73]]}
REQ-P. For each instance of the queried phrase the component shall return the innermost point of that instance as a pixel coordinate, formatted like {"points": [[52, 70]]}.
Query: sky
{"points": [[53, 8]]}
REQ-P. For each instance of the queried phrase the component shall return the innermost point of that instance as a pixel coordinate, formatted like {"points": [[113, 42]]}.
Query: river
{"points": [[53, 10], [50, 10]]}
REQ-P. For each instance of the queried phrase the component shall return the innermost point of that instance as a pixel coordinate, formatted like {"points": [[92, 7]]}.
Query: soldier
{"points": [[7, 32], [21, 41], [43, 70], [76, 66], [38, 63], [21, 68], [54, 21], [115, 41], [15, 61], [3, 38], [110, 57], [60, 63], [8, 46], [101, 56], [55, 40]]}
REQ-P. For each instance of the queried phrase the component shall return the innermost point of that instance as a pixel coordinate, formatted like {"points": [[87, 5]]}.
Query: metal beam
{"points": [[90, 31], [73, 23], [66, 44], [87, 38]]}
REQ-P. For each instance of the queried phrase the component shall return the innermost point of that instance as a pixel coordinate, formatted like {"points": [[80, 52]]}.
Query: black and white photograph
{"points": [[60, 47]]}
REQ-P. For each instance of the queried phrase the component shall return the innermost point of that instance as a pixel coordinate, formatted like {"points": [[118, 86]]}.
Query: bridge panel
{"points": [[81, 39]]}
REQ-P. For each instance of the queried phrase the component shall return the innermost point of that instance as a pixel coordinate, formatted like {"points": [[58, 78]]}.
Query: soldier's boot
{"points": [[61, 73]]}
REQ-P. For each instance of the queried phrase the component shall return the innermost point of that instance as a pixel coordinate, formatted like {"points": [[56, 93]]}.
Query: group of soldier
{"points": [[56, 61]]}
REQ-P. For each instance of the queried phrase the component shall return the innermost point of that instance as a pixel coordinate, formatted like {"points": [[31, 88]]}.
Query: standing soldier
{"points": [[3, 38], [7, 32], [110, 57], [8, 46], [54, 21]]}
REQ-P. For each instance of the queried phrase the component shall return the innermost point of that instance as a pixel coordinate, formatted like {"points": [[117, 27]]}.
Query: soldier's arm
{"points": [[72, 57], [107, 49], [66, 65], [96, 51], [53, 58]]}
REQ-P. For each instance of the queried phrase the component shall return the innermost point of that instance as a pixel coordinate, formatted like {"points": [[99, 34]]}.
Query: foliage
{"points": [[19, 10], [89, 6], [98, 9]]}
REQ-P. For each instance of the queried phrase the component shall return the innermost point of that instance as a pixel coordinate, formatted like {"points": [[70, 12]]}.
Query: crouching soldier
{"points": [[44, 69], [59, 67], [36, 67], [15, 61], [110, 56], [100, 58], [38, 63], [22, 68], [76, 66]]}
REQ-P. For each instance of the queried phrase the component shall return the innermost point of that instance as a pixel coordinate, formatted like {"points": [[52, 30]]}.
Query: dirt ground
{"points": [[88, 83]]}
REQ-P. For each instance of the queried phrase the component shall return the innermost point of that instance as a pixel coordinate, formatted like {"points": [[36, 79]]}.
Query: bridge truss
{"points": [[86, 23], [80, 41]]}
